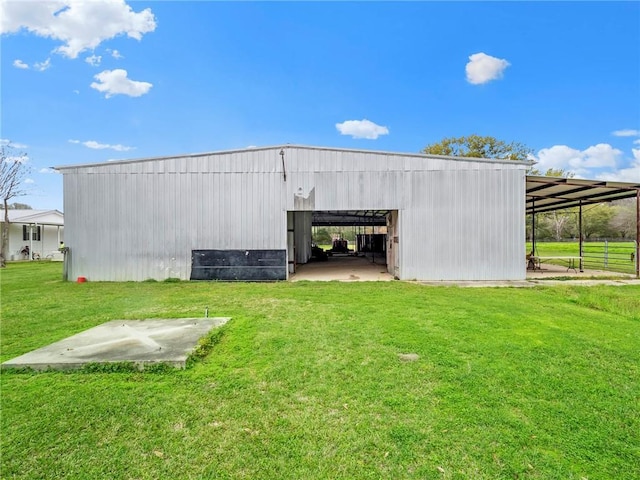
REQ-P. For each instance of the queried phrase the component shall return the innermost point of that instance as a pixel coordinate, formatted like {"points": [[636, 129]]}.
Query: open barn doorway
{"points": [[343, 245]]}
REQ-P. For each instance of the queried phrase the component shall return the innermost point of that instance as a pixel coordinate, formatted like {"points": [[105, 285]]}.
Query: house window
{"points": [[35, 233]]}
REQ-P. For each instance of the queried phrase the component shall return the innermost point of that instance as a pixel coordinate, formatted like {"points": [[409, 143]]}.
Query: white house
{"points": [[39, 230]]}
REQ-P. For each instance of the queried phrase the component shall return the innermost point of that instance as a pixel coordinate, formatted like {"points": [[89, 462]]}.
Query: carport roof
{"points": [[546, 194], [350, 218]]}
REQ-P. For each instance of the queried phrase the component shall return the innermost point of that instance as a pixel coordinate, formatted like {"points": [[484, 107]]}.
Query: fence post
{"points": [[580, 238]]}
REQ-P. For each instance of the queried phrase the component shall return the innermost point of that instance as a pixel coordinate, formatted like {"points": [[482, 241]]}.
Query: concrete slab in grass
{"points": [[141, 342]]}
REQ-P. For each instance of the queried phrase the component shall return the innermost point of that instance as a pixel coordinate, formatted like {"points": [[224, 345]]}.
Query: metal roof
{"points": [[300, 147], [546, 194]]}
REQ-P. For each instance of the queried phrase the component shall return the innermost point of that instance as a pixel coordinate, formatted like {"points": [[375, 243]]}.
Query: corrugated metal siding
{"points": [[138, 226], [464, 226], [139, 220]]}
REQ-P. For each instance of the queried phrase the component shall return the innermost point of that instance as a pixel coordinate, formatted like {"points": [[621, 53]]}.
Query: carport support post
{"points": [[580, 236], [637, 232], [533, 227]]}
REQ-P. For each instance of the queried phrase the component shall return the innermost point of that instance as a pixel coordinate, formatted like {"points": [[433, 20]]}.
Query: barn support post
{"points": [[580, 240], [291, 249]]}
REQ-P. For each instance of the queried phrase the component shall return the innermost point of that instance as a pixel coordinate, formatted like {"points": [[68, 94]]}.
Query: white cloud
{"points": [[585, 163], [557, 157], [629, 174], [80, 25], [115, 54], [93, 60], [6, 141], [42, 66], [361, 129], [19, 159], [102, 146], [47, 170], [563, 157], [115, 82], [29, 180], [627, 132], [483, 68], [600, 155], [636, 142]]}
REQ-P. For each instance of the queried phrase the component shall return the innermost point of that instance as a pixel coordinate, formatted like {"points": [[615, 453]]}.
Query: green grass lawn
{"points": [[306, 383]]}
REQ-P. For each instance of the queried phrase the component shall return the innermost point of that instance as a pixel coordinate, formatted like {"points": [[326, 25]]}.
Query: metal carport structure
{"points": [[340, 218], [547, 194]]}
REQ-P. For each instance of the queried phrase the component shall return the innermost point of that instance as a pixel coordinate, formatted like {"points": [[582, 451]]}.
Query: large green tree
{"points": [[558, 223], [322, 236], [480, 147], [552, 172], [596, 221], [623, 221], [17, 206]]}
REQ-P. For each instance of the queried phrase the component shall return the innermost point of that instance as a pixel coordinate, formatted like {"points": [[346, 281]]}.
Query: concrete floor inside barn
{"points": [[362, 269]]}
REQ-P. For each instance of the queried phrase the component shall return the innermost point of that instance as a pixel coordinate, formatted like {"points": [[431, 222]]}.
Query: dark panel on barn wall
{"points": [[244, 265]]}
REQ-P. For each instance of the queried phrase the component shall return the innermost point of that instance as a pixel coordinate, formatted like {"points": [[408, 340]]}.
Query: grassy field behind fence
{"points": [[617, 258], [306, 383], [573, 248], [619, 254]]}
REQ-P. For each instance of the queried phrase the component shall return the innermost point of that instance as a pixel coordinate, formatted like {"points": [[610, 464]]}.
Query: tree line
{"points": [[615, 220]]}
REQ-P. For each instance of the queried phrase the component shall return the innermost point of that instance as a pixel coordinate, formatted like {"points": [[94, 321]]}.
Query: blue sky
{"points": [[100, 80]]}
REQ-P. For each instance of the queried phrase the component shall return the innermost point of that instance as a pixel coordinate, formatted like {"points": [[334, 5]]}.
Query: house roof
{"points": [[40, 217], [546, 194]]}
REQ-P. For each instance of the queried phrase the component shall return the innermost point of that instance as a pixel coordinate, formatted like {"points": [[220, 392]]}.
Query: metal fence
{"points": [[615, 257]]}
